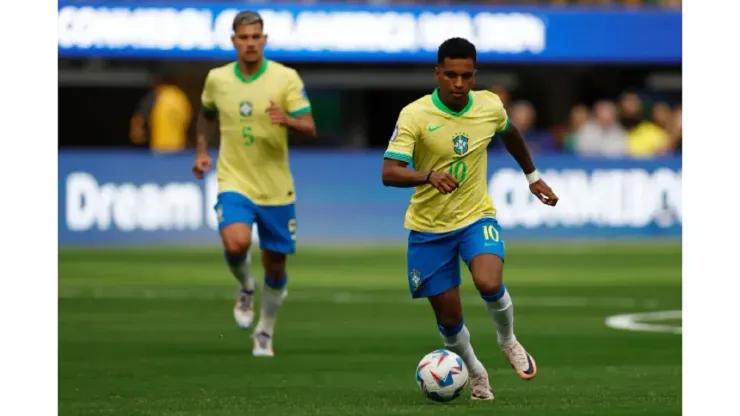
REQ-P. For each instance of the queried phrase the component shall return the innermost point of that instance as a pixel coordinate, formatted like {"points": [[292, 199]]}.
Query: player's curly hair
{"points": [[247, 18], [456, 48]]}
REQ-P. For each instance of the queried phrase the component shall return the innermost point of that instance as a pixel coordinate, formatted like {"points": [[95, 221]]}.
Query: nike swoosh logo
{"points": [[433, 128], [529, 370]]}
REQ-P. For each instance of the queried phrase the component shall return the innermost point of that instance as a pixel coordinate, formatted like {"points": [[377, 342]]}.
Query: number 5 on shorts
{"points": [[490, 232]]}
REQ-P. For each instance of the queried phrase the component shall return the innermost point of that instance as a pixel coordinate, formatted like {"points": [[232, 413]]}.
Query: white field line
{"points": [[343, 297], [644, 322]]}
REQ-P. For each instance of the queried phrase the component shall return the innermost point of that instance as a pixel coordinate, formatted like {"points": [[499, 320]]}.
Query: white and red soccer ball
{"points": [[442, 375]]}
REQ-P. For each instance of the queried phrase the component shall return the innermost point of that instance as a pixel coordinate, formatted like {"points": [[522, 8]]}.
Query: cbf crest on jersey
{"points": [[460, 143], [245, 108]]}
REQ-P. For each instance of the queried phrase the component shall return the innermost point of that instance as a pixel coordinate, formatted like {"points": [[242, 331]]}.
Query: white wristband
{"points": [[533, 177]]}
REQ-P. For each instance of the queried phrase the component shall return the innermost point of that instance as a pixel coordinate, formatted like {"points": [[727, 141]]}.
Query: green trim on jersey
{"points": [[252, 77], [506, 126], [442, 107], [397, 156], [300, 111], [208, 109]]}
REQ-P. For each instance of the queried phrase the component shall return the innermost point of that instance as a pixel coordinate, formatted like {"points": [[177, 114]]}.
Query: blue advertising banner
{"points": [[130, 198], [341, 32]]}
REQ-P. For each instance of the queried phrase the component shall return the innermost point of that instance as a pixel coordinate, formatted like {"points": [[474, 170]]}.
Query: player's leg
{"points": [[235, 219], [483, 250], [434, 273], [276, 227]]}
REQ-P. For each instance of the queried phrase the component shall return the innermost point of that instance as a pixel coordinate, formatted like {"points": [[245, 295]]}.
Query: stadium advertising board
{"points": [[341, 32], [123, 198]]}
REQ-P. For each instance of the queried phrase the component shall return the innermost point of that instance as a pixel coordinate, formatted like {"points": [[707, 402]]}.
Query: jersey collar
{"points": [[252, 77], [442, 107]]}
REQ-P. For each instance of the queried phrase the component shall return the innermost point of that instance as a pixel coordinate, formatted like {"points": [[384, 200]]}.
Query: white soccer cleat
{"points": [[244, 309], [520, 360], [480, 388], [262, 345]]}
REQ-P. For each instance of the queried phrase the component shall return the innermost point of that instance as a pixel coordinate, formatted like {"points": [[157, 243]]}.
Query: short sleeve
{"points": [[500, 116], [296, 100], [207, 98], [403, 139]]}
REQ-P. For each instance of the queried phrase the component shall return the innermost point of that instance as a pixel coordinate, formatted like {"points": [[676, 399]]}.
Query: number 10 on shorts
{"points": [[490, 233]]}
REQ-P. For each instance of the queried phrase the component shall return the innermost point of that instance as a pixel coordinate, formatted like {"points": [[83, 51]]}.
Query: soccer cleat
{"points": [[244, 309], [480, 388], [262, 345], [520, 360]]}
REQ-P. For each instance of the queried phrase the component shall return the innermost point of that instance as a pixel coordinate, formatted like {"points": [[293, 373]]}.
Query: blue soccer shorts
{"points": [[276, 225], [433, 259]]}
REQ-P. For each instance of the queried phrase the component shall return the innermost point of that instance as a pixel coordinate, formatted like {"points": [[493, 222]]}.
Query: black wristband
{"points": [[429, 175]]}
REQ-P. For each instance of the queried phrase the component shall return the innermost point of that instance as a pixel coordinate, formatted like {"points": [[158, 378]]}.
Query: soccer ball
{"points": [[442, 375]]}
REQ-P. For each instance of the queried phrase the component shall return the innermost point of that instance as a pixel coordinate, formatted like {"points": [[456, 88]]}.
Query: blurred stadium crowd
{"points": [[633, 126], [622, 122]]}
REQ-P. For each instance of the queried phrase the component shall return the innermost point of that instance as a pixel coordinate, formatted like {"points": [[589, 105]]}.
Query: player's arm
{"points": [[303, 124], [206, 129], [516, 146], [399, 155], [297, 115], [397, 174]]}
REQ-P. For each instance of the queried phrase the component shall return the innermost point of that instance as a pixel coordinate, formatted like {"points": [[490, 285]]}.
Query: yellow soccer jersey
{"points": [[432, 137], [253, 156]]}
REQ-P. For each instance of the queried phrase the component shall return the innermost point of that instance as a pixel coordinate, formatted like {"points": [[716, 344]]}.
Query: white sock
{"points": [[460, 345], [241, 269], [502, 312], [272, 299]]}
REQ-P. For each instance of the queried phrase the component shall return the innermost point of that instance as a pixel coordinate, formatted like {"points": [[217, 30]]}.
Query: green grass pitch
{"points": [[151, 332]]}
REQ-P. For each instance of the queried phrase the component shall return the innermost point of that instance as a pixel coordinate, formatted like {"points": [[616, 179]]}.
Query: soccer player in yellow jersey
{"points": [[254, 101], [445, 136]]}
